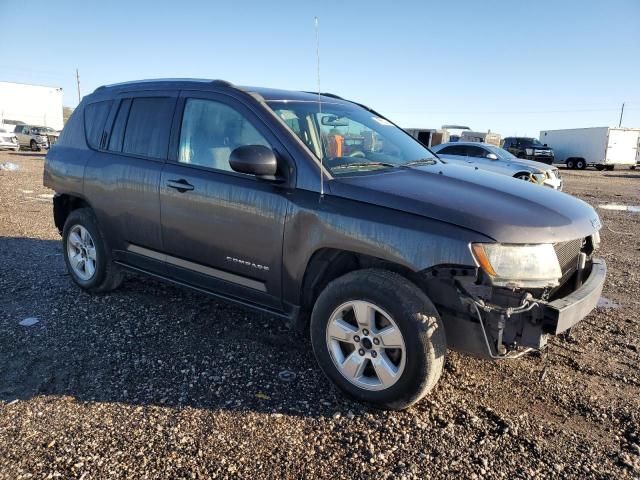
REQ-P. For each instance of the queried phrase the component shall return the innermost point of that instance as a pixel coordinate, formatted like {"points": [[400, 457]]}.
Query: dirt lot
{"points": [[154, 381]]}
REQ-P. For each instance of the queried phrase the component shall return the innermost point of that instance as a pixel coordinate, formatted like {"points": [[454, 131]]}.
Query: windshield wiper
{"points": [[422, 161], [364, 164]]}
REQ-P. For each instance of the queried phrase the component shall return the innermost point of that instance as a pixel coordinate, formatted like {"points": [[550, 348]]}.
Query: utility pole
{"points": [[78, 82], [621, 113]]}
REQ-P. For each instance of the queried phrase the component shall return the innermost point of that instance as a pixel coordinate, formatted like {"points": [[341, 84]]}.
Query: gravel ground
{"points": [[153, 381]]}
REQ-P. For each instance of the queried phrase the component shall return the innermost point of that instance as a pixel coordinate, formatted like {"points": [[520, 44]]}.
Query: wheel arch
{"points": [[328, 264], [63, 205]]}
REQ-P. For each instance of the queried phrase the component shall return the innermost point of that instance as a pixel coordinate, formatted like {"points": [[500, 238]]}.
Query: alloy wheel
{"points": [[81, 251], [366, 345]]}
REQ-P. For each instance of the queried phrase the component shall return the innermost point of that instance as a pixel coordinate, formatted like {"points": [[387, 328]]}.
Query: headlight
{"points": [[517, 266], [539, 177], [528, 151]]}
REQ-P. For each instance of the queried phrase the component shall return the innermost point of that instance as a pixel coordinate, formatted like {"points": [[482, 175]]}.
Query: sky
{"points": [[512, 67]]}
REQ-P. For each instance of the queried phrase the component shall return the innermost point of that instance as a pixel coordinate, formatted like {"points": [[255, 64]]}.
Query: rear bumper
{"points": [[564, 313]]}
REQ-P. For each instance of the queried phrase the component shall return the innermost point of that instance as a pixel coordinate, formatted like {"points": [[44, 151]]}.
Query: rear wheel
{"points": [[87, 255], [379, 338], [581, 164], [571, 164]]}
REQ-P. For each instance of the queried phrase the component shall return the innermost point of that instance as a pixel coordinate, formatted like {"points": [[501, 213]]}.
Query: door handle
{"points": [[181, 185]]}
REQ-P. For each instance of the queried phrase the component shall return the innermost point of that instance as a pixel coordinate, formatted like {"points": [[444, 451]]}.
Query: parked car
{"points": [[33, 137], [384, 254], [8, 141], [529, 149], [497, 160]]}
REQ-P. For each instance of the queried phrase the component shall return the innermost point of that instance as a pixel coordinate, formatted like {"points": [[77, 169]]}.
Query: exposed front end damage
{"points": [[499, 322]]}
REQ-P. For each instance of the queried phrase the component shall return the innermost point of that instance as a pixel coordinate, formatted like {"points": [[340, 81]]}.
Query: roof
{"points": [[268, 94]]}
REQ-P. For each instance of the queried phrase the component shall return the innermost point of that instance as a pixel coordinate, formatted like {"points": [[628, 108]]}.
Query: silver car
{"points": [[8, 141], [497, 160], [33, 137]]}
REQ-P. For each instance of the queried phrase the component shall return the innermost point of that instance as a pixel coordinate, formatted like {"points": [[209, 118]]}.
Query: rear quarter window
{"points": [[148, 127], [73, 132], [95, 116]]}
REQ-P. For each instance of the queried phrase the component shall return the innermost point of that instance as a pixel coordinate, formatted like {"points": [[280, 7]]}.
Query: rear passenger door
{"points": [[122, 177], [222, 230]]}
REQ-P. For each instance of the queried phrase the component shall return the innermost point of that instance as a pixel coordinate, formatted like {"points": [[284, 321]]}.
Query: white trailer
{"points": [[31, 104], [603, 147]]}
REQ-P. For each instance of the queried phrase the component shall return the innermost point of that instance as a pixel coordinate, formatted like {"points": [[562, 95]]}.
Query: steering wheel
{"points": [[358, 154]]}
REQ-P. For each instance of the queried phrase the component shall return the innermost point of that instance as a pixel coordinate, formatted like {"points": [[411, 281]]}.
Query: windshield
{"points": [[350, 139], [531, 141], [501, 152]]}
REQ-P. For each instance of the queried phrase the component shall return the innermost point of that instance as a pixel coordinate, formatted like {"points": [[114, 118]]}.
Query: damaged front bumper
{"points": [[563, 313], [515, 322]]}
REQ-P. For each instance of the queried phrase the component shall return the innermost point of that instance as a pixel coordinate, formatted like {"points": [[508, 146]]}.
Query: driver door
{"points": [[222, 230]]}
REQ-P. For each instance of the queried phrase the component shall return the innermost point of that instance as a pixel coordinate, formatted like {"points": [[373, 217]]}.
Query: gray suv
{"points": [[324, 213]]}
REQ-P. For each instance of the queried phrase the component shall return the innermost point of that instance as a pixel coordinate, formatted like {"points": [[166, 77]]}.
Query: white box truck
{"points": [[35, 105], [602, 147]]}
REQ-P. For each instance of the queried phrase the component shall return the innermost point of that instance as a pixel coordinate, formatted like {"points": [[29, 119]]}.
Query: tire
{"points": [[396, 302], [571, 163], [34, 146], [581, 164], [103, 275], [600, 167]]}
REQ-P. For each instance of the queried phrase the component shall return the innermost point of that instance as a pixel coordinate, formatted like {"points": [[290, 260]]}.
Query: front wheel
{"points": [[571, 164], [523, 176], [379, 338], [34, 146]]}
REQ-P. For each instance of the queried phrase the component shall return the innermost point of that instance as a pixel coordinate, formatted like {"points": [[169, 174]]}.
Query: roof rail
{"points": [[222, 83], [325, 94], [217, 82]]}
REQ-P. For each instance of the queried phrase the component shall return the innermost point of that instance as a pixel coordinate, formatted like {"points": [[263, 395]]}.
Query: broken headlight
{"points": [[518, 266]]}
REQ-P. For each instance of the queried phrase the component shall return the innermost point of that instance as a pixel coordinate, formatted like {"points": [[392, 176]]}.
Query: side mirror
{"points": [[492, 156], [255, 160]]}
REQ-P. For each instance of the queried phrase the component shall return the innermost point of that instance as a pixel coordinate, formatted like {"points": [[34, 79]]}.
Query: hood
{"points": [[500, 207], [527, 164]]}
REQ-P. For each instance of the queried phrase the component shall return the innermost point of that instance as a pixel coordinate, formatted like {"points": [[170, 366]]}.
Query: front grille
{"points": [[567, 253]]}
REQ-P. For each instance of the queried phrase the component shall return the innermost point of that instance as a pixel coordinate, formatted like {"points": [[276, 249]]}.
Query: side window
{"points": [[211, 131], [476, 152], [447, 151], [95, 115], [454, 150], [18, 129], [117, 131], [147, 130]]}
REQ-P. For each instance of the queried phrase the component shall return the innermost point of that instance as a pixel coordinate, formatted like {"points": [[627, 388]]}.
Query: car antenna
{"points": [[319, 103]]}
